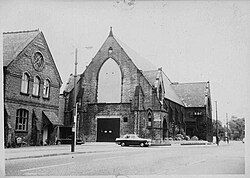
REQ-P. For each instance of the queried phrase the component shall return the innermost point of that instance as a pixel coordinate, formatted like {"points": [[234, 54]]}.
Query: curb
{"points": [[159, 144], [54, 154]]}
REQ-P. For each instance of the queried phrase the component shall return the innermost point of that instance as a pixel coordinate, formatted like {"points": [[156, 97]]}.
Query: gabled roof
{"points": [[170, 94], [192, 94], [15, 42], [140, 62]]}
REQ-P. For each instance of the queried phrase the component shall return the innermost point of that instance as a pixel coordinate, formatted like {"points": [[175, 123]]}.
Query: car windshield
{"points": [[130, 136]]}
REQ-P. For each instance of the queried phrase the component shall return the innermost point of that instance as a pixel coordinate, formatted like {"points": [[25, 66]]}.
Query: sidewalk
{"points": [[55, 150]]}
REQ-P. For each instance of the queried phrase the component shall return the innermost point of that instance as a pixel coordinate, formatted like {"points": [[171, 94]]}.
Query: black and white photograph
{"points": [[124, 88]]}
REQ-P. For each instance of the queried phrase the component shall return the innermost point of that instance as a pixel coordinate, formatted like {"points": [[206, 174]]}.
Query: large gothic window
{"points": [[109, 83]]}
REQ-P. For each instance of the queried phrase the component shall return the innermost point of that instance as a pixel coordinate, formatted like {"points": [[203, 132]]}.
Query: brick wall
{"points": [[13, 77]]}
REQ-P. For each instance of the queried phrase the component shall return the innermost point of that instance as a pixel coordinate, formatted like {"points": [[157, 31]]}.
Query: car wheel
{"points": [[142, 144], [123, 144]]}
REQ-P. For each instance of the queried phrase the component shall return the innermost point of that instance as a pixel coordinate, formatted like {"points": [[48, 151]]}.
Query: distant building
{"points": [[31, 89], [121, 92]]}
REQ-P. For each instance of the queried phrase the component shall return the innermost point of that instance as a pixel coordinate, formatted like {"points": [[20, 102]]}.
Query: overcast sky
{"points": [[191, 40]]}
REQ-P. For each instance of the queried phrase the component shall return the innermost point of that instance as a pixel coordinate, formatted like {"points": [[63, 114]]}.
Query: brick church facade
{"points": [[31, 89], [121, 92]]}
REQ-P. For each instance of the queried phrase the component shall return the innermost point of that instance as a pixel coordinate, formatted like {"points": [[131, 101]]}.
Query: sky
{"points": [[191, 40]]}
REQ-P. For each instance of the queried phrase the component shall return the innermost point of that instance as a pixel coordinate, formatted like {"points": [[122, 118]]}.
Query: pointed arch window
{"points": [[149, 118], [25, 83], [22, 120], [46, 88], [36, 86], [109, 82]]}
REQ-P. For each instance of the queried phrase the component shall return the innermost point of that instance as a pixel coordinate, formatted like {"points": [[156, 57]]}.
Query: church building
{"points": [[31, 90], [120, 92]]}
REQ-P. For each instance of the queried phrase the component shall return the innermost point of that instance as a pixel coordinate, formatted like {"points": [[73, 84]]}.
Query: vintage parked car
{"points": [[132, 139]]}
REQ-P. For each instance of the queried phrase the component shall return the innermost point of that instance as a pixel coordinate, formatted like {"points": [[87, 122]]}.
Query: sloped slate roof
{"points": [[70, 84], [169, 91], [151, 76], [192, 94], [15, 42], [140, 62]]}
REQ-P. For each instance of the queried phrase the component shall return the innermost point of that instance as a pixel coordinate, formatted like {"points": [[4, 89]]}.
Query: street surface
{"points": [[154, 160]]}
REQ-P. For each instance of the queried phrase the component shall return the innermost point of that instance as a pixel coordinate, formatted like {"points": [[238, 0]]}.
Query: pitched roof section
{"points": [[140, 62], [169, 91], [15, 42], [170, 94], [70, 84], [192, 94], [151, 76]]}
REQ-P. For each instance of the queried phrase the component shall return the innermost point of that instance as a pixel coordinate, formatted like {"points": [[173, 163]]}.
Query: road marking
{"points": [[98, 159], [46, 166], [196, 162]]}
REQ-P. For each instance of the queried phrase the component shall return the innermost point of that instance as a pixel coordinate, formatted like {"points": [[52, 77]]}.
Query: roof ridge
{"points": [[24, 31], [166, 76]]}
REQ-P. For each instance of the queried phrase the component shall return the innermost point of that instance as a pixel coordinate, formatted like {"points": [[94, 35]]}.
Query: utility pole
{"points": [[217, 138], [73, 143]]}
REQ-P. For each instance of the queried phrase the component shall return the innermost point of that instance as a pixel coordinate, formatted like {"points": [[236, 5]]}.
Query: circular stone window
{"points": [[38, 61]]}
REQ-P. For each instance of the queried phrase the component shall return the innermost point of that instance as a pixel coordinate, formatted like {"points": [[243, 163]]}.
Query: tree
{"points": [[221, 129], [237, 128]]}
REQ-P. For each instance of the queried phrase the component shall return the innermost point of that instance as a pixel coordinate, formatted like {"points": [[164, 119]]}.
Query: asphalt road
{"points": [[186, 160]]}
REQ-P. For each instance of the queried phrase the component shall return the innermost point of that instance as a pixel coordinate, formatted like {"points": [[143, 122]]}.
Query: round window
{"points": [[38, 61]]}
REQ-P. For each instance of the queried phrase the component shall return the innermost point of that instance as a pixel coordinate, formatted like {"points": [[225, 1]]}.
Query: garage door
{"points": [[108, 129]]}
